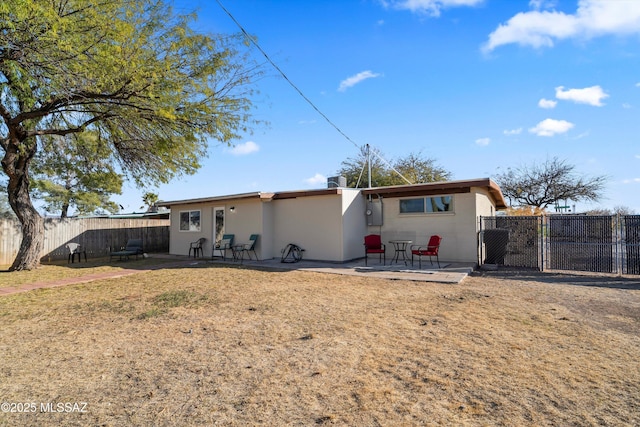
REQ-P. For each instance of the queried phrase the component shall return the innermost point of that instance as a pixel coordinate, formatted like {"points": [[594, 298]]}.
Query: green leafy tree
{"points": [[416, 168], [71, 172], [131, 71], [551, 182], [419, 169], [150, 199]]}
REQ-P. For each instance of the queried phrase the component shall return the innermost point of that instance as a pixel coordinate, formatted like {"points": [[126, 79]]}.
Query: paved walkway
{"points": [[450, 273]]}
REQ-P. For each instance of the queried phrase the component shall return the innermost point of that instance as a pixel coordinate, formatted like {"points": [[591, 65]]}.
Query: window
{"points": [[433, 204], [190, 221], [412, 205]]}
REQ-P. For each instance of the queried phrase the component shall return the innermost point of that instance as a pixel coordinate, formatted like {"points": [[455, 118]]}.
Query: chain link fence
{"points": [[595, 243]]}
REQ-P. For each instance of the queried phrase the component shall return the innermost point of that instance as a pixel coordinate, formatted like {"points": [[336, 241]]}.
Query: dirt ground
{"points": [[219, 345]]}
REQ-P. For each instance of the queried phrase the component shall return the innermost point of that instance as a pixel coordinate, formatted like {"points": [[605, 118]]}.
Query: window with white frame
{"points": [[431, 204], [190, 220]]}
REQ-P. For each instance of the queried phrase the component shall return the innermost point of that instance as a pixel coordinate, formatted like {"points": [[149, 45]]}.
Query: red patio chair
{"points": [[431, 250], [373, 245]]}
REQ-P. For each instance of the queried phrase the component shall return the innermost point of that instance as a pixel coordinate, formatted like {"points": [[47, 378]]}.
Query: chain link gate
{"points": [[631, 244], [511, 241], [582, 243]]}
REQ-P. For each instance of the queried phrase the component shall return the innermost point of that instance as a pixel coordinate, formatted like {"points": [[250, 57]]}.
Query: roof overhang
{"points": [[229, 198], [440, 188], [428, 189], [263, 197]]}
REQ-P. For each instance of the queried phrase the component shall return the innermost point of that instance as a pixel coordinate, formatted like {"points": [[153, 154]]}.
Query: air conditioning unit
{"points": [[336, 182]]}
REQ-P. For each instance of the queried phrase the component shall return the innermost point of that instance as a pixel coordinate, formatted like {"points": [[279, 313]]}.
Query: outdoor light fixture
{"points": [[232, 209]]}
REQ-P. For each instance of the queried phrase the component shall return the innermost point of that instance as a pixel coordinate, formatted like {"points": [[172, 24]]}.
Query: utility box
{"points": [[374, 213]]}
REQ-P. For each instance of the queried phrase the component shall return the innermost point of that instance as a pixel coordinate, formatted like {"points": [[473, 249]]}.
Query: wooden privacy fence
{"points": [[97, 235]]}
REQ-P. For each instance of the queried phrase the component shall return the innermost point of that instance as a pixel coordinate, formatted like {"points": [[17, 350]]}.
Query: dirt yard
{"points": [[213, 345]]}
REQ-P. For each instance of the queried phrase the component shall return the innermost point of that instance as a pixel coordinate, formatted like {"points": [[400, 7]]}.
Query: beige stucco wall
{"points": [[328, 227], [484, 205], [332, 227], [458, 229], [246, 219], [354, 224], [180, 240], [322, 225]]}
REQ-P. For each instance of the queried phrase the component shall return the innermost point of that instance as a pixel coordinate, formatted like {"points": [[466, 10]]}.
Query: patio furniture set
{"points": [[225, 244], [373, 245], [133, 248]]}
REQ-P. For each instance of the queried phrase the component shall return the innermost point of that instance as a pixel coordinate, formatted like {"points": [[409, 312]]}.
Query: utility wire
{"points": [[255, 43]]}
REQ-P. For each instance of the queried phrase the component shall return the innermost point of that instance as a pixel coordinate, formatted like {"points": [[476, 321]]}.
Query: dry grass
{"points": [[231, 346], [57, 270]]}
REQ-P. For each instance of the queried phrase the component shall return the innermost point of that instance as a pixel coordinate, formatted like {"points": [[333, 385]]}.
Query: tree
{"points": [[5, 209], [414, 167], [71, 173], [418, 169], [132, 72], [617, 210], [150, 199], [553, 181]]}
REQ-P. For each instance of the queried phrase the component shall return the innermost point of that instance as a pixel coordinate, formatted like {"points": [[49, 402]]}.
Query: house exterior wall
{"points": [[484, 206], [180, 240], [354, 224], [246, 219], [313, 223], [331, 227], [328, 227], [458, 228]]}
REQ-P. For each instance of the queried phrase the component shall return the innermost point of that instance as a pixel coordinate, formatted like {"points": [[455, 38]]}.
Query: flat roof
{"points": [[428, 189], [440, 188], [264, 196]]}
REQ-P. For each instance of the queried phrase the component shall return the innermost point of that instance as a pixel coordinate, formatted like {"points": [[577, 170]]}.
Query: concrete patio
{"points": [[448, 273]]}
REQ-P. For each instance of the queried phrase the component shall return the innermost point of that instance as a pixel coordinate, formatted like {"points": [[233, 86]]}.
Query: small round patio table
{"points": [[400, 249]]}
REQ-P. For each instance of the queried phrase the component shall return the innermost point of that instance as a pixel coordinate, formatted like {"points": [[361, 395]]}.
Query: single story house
{"points": [[330, 223]]}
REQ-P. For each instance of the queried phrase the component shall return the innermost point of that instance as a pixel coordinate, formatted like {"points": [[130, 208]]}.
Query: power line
{"points": [[255, 43]]}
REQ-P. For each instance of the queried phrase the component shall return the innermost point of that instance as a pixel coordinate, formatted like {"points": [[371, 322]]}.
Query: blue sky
{"points": [[478, 85]]}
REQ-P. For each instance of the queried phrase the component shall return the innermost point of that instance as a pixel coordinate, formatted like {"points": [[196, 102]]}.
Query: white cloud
{"points": [[551, 127], [513, 131], [542, 4], [626, 105], [244, 149], [428, 7], [317, 179], [631, 181], [354, 80], [547, 103], [483, 141], [582, 135], [593, 18], [589, 95]]}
